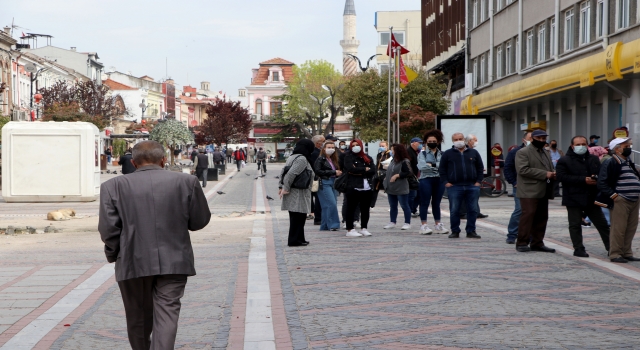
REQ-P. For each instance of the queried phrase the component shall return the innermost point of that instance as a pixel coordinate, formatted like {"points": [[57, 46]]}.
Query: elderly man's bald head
{"points": [[148, 153]]}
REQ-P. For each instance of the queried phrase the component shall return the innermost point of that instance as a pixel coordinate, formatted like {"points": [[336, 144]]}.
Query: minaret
{"points": [[349, 43]]}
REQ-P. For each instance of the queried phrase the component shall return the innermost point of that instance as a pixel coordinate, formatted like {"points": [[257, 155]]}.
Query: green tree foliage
{"points": [[302, 113], [171, 133], [119, 147], [3, 120], [366, 97]]}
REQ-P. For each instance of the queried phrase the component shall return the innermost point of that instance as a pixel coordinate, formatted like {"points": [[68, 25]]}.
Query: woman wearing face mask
{"points": [[431, 188], [361, 169], [327, 168], [397, 186]]}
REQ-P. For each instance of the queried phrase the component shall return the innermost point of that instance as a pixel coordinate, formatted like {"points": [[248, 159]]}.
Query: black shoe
{"points": [[586, 224], [455, 235], [334, 229], [543, 248], [306, 242], [317, 223], [482, 216], [511, 241], [580, 253], [298, 245], [619, 260], [463, 217], [523, 248], [630, 258], [473, 235]]}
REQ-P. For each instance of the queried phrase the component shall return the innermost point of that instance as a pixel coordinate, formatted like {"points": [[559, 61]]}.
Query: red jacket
{"points": [[238, 155]]}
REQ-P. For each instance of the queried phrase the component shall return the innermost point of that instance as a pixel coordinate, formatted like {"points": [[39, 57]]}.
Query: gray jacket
{"points": [[145, 219], [298, 200], [401, 185]]}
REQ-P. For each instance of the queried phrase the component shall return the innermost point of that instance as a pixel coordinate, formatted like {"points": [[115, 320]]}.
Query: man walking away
{"points": [[201, 166], [578, 171], [194, 154], [239, 157], [461, 171], [261, 158], [229, 154], [252, 155], [512, 178], [218, 157], [144, 222], [619, 185], [535, 171], [125, 161]]}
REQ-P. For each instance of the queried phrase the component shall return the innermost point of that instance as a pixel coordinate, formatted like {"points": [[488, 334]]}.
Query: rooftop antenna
{"points": [[13, 26]]}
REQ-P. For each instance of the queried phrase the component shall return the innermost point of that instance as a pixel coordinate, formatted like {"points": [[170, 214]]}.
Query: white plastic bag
{"points": [[385, 164], [243, 163]]}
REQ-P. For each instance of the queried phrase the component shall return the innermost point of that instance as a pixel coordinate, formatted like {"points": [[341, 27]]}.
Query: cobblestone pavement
{"points": [[395, 290]]}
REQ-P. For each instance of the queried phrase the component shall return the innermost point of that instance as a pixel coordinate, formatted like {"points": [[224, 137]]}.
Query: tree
{"points": [[304, 108], [226, 122], [171, 133], [414, 122], [80, 101], [3, 120]]}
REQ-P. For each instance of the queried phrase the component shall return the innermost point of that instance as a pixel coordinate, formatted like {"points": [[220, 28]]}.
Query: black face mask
{"points": [[553, 145], [432, 145], [626, 151], [538, 144]]}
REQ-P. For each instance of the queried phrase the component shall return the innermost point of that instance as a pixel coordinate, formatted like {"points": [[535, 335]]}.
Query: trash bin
{"points": [[221, 169], [103, 162]]}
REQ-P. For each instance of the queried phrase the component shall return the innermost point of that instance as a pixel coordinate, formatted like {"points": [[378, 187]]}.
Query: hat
{"points": [[330, 137], [536, 133], [617, 141], [416, 139], [594, 137]]}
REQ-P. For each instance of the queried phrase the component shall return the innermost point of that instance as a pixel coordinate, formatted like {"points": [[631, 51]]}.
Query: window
{"points": [[600, 19], [507, 52], [483, 7], [384, 38], [518, 54], [259, 107], [498, 5], [499, 61], [529, 48], [276, 76], [585, 23], [622, 14], [568, 30], [475, 72], [275, 108], [475, 14], [552, 37], [482, 69], [541, 43]]}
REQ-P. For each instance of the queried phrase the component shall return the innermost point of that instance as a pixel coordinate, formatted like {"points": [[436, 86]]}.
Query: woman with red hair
{"points": [[361, 169]]}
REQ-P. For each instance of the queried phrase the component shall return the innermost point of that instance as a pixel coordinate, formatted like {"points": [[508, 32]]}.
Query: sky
{"points": [[219, 41]]}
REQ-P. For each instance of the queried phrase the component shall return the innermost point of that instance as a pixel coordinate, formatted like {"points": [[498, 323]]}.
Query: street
{"points": [[395, 290]]}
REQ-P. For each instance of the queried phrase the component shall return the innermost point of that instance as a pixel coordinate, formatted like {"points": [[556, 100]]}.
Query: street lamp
{"points": [[332, 107], [142, 106], [33, 79]]}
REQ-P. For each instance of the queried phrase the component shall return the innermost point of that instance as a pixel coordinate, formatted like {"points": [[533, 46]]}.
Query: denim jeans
{"points": [[404, 204], [414, 200], [512, 233], [607, 215], [431, 192], [463, 195], [328, 197]]}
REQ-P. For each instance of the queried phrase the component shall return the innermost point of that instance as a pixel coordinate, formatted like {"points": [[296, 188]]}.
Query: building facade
{"points": [[406, 30], [568, 66], [85, 63], [154, 103], [349, 41], [6, 86]]}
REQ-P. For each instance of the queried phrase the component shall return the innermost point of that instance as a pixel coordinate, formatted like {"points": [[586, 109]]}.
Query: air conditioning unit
{"points": [[254, 117]]}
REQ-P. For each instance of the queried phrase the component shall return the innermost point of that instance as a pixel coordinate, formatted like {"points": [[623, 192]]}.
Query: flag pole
{"points": [[390, 50], [398, 58]]}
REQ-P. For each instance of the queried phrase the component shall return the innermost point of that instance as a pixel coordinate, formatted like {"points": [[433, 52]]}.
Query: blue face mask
{"points": [[391, 154], [382, 149], [419, 147], [595, 141]]}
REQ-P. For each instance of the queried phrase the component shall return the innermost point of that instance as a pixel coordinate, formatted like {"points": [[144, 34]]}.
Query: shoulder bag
{"points": [[340, 184], [414, 185], [302, 180]]}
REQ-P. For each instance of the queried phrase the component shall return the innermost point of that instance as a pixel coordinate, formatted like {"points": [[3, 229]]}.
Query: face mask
{"points": [[626, 151], [553, 145], [547, 148], [459, 144], [432, 145], [356, 149], [538, 144], [419, 147], [343, 147], [391, 154], [329, 151], [527, 142], [382, 149], [580, 150], [595, 141]]}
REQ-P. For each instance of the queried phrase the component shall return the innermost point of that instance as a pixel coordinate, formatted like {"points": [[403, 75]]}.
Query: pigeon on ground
{"points": [[269, 198], [114, 172], [108, 171], [220, 192], [247, 174], [277, 177], [230, 177], [256, 177], [102, 172]]}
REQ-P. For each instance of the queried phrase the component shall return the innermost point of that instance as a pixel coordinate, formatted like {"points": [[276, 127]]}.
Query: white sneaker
{"points": [[440, 229], [406, 227], [415, 215], [389, 225], [344, 225], [365, 233], [357, 224], [425, 230], [353, 233]]}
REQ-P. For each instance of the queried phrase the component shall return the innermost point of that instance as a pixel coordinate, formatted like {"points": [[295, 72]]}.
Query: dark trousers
{"points": [[355, 198], [296, 227], [152, 303], [317, 208], [533, 221], [414, 200], [345, 205], [575, 224]]}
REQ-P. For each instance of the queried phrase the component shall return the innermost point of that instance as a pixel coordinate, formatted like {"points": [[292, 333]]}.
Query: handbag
{"points": [[302, 180], [414, 185], [340, 184]]}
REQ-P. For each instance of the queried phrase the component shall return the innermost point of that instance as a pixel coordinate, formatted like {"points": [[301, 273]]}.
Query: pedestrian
{"points": [[593, 140], [145, 222], [384, 153], [345, 202], [431, 188], [361, 169], [535, 174], [107, 152], [239, 157], [327, 168], [619, 185], [261, 158], [414, 196], [218, 157], [297, 200], [512, 177], [343, 147], [471, 141], [397, 186], [229, 154], [602, 154], [556, 153], [578, 171], [125, 161], [194, 154], [316, 208], [461, 171], [252, 154], [201, 167]]}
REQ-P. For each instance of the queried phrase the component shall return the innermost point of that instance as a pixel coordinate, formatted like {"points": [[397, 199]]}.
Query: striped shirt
{"points": [[628, 185]]}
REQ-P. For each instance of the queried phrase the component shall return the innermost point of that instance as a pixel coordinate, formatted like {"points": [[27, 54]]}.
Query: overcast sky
{"points": [[203, 40]]}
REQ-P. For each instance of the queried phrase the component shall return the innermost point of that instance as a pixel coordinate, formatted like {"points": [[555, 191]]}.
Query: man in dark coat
{"points": [[201, 165], [194, 154], [125, 161], [144, 222], [578, 171], [512, 177]]}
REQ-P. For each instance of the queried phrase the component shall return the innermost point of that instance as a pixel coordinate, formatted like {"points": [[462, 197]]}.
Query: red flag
{"points": [[393, 44], [404, 80]]}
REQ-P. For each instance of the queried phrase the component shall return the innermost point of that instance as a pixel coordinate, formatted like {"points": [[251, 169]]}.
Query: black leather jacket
{"points": [[323, 169], [572, 170], [356, 167]]}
